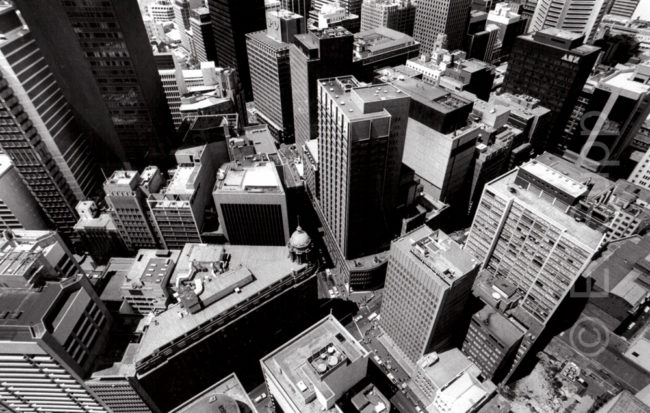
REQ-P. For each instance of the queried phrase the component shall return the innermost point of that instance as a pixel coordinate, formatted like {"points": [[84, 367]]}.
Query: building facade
{"points": [[395, 14], [428, 283], [551, 65], [108, 40], [434, 17], [362, 134]]}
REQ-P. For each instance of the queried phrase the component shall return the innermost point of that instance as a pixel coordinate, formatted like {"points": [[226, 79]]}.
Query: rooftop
{"points": [[437, 253], [557, 179], [266, 264], [355, 99], [599, 184], [259, 177], [151, 267], [578, 232], [222, 396], [121, 178], [379, 40], [301, 365], [502, 328]]}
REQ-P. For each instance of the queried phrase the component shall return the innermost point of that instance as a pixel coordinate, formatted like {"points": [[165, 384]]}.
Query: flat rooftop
{"points": [[354, 99], [261, 177], [152, 266], [434, 96], [578, 232], [625, 82], [122, 178], [437, 253], [298, 376], [380, 40], [227, 395], [267, 265], [599, 183], [502, 328], [557, 179]]}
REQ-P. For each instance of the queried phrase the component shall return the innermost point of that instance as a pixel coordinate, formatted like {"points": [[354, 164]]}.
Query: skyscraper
{"points": [[270, 71], [624, 8], [126, 195], [551, 65], [231, 21], [41, 135], [47, 349], [315, 55], [577, 16], [202, 38], [618, 106], [428, 282], [362, 132], [522, 234], [395, 14], [434, 17], [182, 10], [18, 207], [108, 39]]}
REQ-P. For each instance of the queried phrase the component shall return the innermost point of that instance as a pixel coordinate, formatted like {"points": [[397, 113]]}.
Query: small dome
{"points": [[299, 239]]}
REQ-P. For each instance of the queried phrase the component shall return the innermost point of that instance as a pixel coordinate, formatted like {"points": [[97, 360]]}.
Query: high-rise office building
{"points": [[617, 107], [434, 17], [624, 8], [440, 143], [179, 209], [98, 233], [362, 132], [492, 342], [203, 48], [381, 47], [270, 70], [523, 233], [395, 14], [50, 338], [509, 25], [161, 11], [45, 106], [103, 46], [231, 21], [577, 16], [18, 207], [126, 196], [428, 282], [29, 258], [315, 55], [182, 10], [251, 204], [641, 173], [551, 65]]}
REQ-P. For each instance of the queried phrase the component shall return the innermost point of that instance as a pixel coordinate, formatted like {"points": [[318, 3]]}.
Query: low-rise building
{"points": [[145, 285], [450, 382], [311, 372]]}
